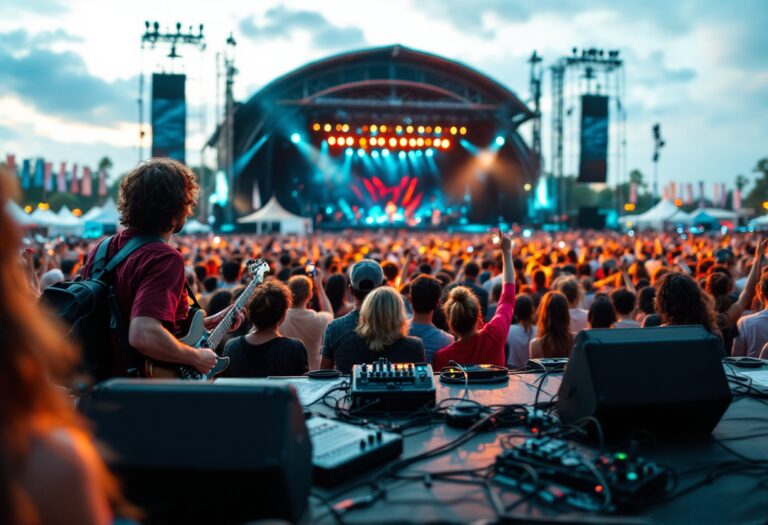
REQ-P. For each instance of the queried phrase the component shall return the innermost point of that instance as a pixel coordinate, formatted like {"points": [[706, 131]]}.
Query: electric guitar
{"points": [[197, 336]]}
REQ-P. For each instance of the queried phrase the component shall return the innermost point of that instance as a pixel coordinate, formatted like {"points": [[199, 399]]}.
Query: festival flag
{"points": [[737, 199], [633, 193], [10, 161], [61, 180], [689, 196], [39, 168], [47, 180], [86, 184], [74, 187], [102, 183], [672, 191], [701, 194], [723, 195], [25, 167], [716, 195]]}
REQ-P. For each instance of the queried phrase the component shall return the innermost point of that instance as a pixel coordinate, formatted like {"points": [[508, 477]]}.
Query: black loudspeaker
{"points": [[199, 452], [667, 381], [590, 218]]}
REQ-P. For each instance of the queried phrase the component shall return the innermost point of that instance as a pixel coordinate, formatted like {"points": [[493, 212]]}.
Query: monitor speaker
{"points": [[666, 381], [199, 452], [590, 218]]}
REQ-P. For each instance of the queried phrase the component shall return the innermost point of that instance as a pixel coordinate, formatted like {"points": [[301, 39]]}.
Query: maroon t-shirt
{"points": [[150, 282]]}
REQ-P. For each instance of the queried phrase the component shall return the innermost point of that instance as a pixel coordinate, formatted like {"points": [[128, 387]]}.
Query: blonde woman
{"points": [[381, 332]]}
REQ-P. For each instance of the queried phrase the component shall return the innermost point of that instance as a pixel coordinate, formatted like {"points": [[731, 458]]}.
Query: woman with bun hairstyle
{"points": [[554, 336], [463, 314]]}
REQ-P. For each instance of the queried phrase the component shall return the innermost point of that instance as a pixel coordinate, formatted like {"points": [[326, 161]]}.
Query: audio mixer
{"points": [[385, 386]]}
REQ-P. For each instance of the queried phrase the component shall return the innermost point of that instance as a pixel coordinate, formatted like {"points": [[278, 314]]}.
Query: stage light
{"points": [[527, 186], [438, 130], [438, 142], [399, 129], [375, 154], [338, 127], [349, 152], [350, 141], [331, 141], [401, 154], [419, 142], [463, 130], [446, 143], [454, 130], [373, 128], [500, 140], [327, 127], [430, 152], [420, 129], [765, 205], [403, 142], [392, 142], [412, 143], [328, 210], [316, 126], [419, 153], [345, 128], [409, 129], [383, 128], [429, 129], [385, 153], [363, 142], [295, 138], [428, 142], [361, 153], [373, 141]]}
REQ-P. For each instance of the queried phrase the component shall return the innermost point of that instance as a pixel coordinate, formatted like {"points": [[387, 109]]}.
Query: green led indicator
{"points": [[621, 456]]}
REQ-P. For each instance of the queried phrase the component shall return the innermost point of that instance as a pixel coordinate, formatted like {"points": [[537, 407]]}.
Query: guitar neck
{"points": [[218, 333]]}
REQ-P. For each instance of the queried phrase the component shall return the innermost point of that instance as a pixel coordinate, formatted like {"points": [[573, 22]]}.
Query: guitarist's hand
{"points": [[205, 360]]}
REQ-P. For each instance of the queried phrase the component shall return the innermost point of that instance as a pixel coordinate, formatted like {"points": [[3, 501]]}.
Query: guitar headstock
{"points": [[257, 268]]}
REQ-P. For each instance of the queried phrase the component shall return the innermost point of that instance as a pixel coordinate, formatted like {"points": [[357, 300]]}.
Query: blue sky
{"points": [[69, 69]]}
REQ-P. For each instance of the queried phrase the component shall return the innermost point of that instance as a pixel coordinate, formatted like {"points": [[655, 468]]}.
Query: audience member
{"points": [[264, 351], [624, 304], [753, 329], [424, 294], [569, 287], [337, 289], [601, 313], [554, 338], [521, 332], [303, 323]]}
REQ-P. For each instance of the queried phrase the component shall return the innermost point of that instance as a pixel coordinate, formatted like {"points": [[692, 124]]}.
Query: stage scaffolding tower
{"points": [[590, 71]]}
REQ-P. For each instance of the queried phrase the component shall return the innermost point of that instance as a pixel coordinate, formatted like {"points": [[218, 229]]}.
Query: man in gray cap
{"points": [[366, 275]]}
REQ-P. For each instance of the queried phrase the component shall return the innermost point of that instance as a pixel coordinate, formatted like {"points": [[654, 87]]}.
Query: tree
{"points": [[636, 176], [105, 164], [759, 192]]}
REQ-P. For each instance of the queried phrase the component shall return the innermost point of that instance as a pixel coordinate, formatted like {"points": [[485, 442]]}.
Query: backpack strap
{"points": [[100, 259], [130, 247]]}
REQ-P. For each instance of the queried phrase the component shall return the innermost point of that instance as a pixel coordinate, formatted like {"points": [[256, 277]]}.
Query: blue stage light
{"points": [[419, 153], [361, 153], [375, 154], [430, 152], [500, 140], [349, 152], [401, 154], [295, 138], [328, 210], [385, 153]]}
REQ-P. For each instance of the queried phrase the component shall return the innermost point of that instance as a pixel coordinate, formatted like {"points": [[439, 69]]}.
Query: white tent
{"points": [[760, 222], [664, 212], [18, 215], [194, 227], [719, 214], [272, 213], [66, 224], [93, 212], [108, 215], [43, 218]]}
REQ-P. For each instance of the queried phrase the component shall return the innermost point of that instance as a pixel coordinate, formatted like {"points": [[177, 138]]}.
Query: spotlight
{"points": [[453, 130], [500, 141], [430, 152], [295, 138], [463, 130], [331, 141], [446, 143], [392, 142], [375, 154], [385, 153], [401, 155], [350, 141], [428, 142], [363, 142], [412, 143], [438, 130], [327, 127], [345, 128], [373, 128], [399, 129], [419, 153], [316, 127], [419, 142], [438, 142], [361, 153], [374, 141], [338, 127], [420, 129], [409, 129], [527, 186], [403, 142], [349, 152], [429, 129], [383, 128]]}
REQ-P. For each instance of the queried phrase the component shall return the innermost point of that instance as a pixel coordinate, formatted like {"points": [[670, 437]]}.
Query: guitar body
{"points": [[196, 337]]}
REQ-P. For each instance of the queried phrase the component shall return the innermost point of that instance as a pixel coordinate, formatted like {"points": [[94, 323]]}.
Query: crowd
{"points": [[444, 297]]}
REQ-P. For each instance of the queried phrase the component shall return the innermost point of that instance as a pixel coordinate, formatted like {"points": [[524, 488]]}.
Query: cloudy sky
{"points": [[69, 68]]}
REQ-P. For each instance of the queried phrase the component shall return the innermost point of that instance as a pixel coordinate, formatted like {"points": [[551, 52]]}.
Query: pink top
{"points": [[487, 345]]}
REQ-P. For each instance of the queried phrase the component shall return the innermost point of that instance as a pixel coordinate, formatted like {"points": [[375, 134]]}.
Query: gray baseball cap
{"points": [[367, 275]]}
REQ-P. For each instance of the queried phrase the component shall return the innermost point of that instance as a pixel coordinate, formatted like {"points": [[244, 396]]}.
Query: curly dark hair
{"points": [[681, 301], [157, 195], [271, 299]]}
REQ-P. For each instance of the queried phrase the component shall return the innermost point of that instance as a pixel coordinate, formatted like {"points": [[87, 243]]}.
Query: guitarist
{"points": [[156, 198]]}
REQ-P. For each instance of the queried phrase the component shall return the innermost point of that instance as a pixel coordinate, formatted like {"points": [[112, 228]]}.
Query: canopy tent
{"points": [[273, 217], [760, 222], [702, 218], [43, 218], [107, 215], [719, 214], [93, 212], [65, 224], [664, 212], [18, 215], [195, 227]]}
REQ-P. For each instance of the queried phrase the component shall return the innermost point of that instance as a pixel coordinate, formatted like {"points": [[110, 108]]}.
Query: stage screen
{"points": [[169, 116], [594, 139]]}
